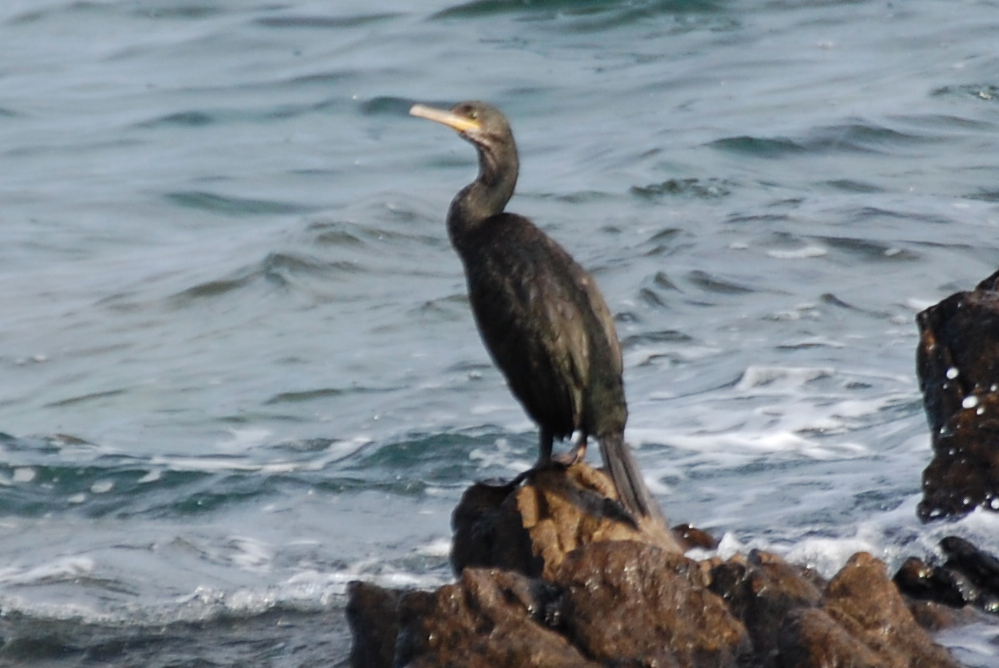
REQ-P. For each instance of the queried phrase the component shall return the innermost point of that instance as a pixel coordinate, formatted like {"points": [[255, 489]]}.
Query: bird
{"points": [[541, 316]]}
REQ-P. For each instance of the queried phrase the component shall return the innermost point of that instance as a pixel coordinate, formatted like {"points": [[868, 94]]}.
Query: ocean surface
{"points": [[237, 363]]}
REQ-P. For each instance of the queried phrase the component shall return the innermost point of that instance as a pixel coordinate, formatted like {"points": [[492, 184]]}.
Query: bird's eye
{"points": [[473, 114]]}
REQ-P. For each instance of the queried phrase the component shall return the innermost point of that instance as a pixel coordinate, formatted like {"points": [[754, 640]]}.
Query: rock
{"points": [[547, 577], [958, 366], [374, 622], [690, 537], [489, 533], [935, 617], [531, 528], [921, 581], [634, 603], [864, 601], [981, 567], [762, 591], [969, 576], [810, 637], [488, 619]]}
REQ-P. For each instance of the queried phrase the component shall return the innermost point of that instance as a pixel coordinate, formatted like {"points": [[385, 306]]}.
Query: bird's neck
{"points": [[486, 196]]}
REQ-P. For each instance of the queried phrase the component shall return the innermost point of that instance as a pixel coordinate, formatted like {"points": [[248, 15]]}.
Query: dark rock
{"points": [[976, 571], [958, 366], [990, 283], [581, 588], [969, 576], [935, 617], [634, 603], [489, 618], [980, 566], [810, 637], [919, 580], [489, 533], [372, 613], [691, 537], [762, 591]]}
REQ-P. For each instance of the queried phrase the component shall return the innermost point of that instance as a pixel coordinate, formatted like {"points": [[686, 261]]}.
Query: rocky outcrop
{"points": [[958, 366], [968, 576], [533, 527], [547, 578]]}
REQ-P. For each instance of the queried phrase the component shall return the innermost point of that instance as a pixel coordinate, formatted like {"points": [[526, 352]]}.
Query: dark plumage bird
{"points": [[540, 314]]}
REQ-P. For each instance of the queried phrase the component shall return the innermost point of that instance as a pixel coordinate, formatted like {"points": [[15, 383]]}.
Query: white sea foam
{"points": [[974, 645], [251, 554], [440, 547], [152, 476], [802, 253], [776, 379], [102, 487], [62, 569]]}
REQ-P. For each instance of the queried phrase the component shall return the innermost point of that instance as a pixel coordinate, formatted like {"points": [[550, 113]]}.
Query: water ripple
{"points": [[322, 22], [759, 147], [233, 206]]}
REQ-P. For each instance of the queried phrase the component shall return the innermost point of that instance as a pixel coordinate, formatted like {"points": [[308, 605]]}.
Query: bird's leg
{"points": [[577, 454], [546, 441]]}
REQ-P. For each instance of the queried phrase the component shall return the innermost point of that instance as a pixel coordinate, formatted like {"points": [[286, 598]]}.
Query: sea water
{"points": [[237, 363]]}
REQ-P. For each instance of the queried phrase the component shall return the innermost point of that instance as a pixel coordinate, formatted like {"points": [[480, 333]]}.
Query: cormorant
{"points": [[540, 314]]}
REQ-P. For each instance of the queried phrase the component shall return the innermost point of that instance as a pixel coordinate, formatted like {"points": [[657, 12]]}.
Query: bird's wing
{"points": [[525, 295]]}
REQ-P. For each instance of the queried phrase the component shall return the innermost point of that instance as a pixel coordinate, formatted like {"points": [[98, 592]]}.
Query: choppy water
{"points": [[237, 367]]}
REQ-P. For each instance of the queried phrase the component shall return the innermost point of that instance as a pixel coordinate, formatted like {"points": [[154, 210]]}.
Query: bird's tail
{"points": [[623, 469]]}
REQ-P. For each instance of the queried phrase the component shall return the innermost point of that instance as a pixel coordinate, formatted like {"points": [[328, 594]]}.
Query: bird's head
{"points": [[480, 123]]}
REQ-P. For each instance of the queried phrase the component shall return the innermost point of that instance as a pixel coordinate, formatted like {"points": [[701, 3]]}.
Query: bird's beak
{"points": [[450, 119]]}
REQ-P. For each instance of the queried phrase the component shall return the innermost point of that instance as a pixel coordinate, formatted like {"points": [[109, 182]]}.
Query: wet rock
{"points": [[634, 603], [958, 366], [531, 528], [762, 591], [812, 638], [864, 601], [968, 576], [489, 618], [935, 617], [978, 565], [577, 587], [372, 613], [919, 580], [690, 537], [488, 533]]}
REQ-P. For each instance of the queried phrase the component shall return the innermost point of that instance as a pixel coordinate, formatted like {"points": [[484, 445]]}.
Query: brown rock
{"points": [[581, 587], [531, 528], [489, 533], [690, 537], [638, 604], [958, 365], [762, 591], [964, 472], [488, 618], [810, 637], [374, 623], [867, 605], [934, 616]]}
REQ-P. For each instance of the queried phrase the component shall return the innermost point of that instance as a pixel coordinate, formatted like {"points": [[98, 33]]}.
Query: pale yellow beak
{"points": [[452, 120]]}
